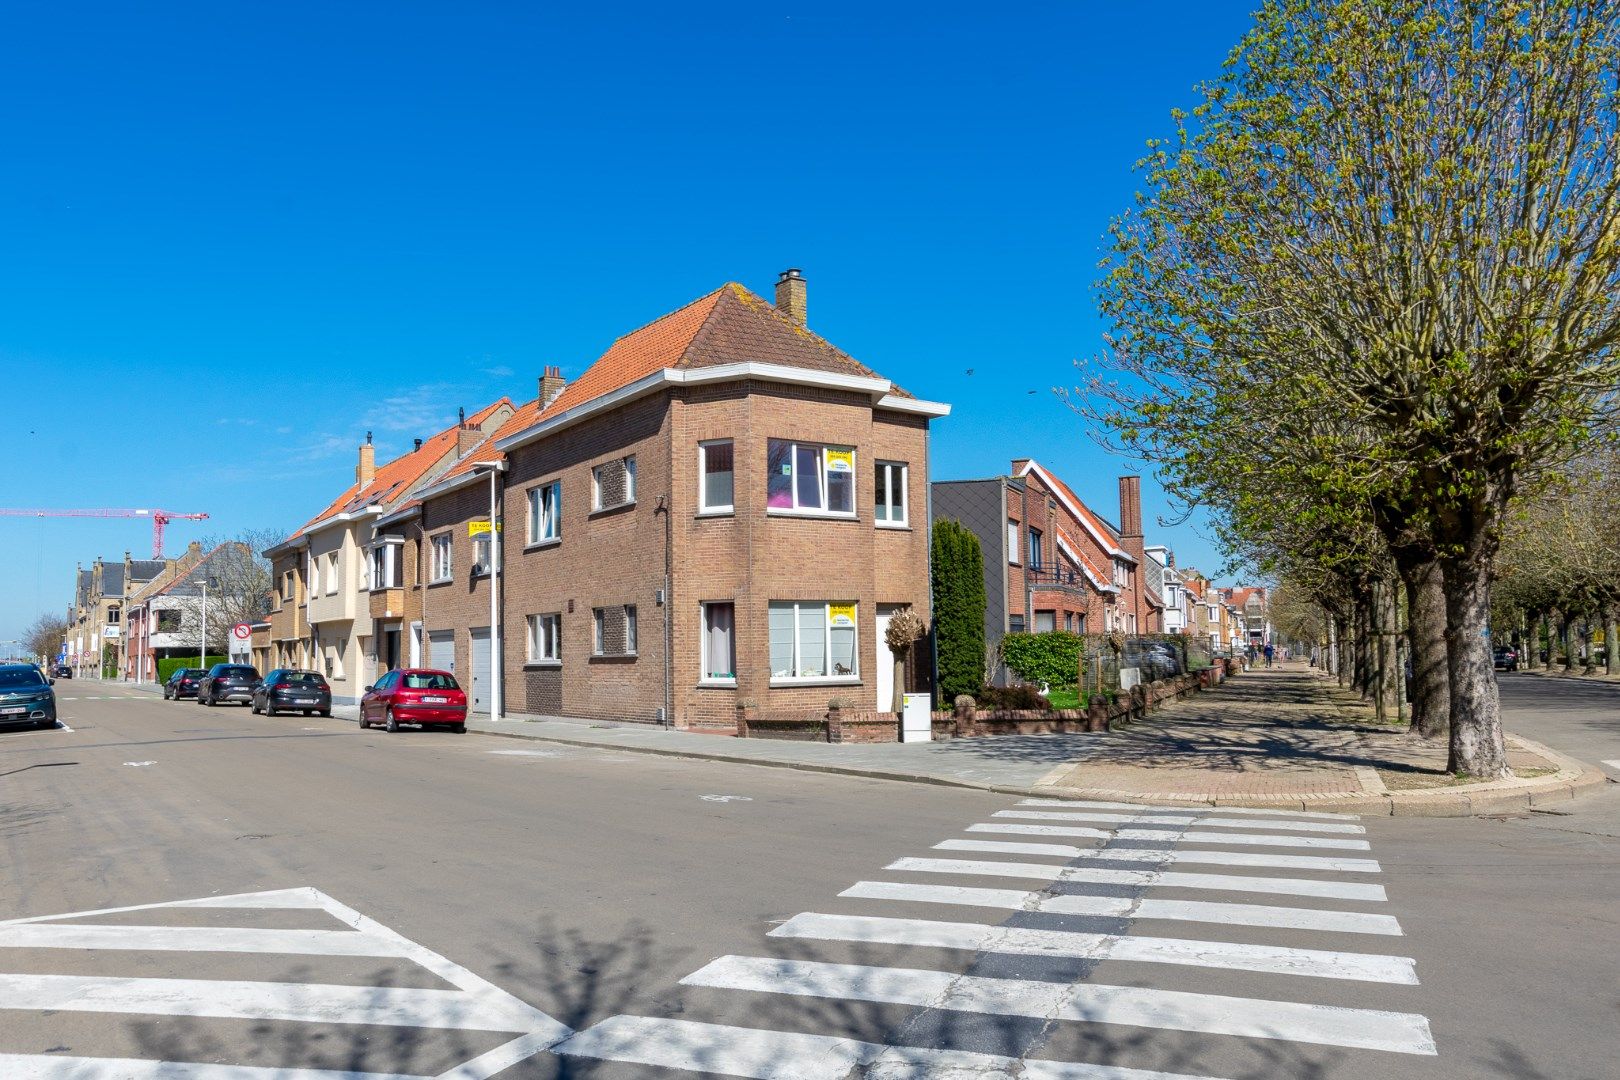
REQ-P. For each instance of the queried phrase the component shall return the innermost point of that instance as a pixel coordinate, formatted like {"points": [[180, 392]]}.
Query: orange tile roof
{"points": [[523, 417], [398, 476]]}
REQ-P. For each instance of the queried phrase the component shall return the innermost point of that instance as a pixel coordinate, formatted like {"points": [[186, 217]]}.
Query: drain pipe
{"points": [[662, 507]]}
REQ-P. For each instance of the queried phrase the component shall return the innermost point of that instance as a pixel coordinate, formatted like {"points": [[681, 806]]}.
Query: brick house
{"points": [[723, 508], [324, 614], [1050, 561], [95, 632], [152, 627]]}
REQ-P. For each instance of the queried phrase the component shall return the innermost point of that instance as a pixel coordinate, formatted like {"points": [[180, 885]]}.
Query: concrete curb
{"points": [[1573, 778]]}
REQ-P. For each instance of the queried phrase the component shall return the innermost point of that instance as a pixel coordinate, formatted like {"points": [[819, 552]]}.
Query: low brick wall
{"points": [[970, 722]]}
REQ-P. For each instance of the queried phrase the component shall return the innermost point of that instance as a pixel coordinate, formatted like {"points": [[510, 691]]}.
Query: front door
{"points": [[478, 698], [884, 657], [390, 649]]}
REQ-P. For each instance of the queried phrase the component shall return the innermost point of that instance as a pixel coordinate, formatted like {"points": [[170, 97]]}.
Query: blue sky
{"points": [[236, 237]]}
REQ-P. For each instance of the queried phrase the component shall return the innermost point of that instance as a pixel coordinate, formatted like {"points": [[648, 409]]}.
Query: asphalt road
{"points": [[406, 905]]}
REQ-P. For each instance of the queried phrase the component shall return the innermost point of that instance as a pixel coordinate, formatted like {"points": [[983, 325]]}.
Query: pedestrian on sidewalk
{"points": [[1268, 654]]}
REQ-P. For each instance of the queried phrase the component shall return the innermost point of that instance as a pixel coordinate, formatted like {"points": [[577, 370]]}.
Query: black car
{"points": [[291, 690], [228, 682], [26, 697], [61, 671], [1505, 658], [183, 683]]}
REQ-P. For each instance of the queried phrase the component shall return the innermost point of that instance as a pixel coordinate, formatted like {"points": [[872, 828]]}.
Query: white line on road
{"points": [[1201, 911], [1174, 836], [389, 1006], [1336, 890], [790, 1055], [1130, 821], [224, 939], [57, 1067], [1141, 807], [1028, 941], [1615, 765], [1406, 1033], [1174, 857], [280, 898]]}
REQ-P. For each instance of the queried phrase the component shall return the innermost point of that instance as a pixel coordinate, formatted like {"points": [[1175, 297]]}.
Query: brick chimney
{"points": [[1130, 512], [366, 471], [551, 384], [790, 295], [467, 437]]}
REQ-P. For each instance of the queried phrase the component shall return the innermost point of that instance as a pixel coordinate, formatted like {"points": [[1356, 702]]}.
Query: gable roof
{"points": [[184, 583], [397, 477], [1099, 580], [523, 417], [1100, 530]]}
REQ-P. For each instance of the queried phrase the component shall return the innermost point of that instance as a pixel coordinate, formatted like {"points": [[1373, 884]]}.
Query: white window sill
{"points": [[897, 526], [531, 665], [819, 680], [821, 515], [441, 580], [716, 511], [718, 684], [612, 509], [547, 543]]}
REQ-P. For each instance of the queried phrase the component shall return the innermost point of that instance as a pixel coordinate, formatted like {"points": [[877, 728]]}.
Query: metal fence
{"points": [[1108, 668]]}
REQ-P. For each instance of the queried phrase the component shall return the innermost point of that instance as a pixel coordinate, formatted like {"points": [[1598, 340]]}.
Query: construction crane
{"points": [[159, 518]]}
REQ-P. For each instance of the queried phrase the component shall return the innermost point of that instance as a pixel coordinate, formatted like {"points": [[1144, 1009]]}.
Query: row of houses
{"points": [[722, 509]]}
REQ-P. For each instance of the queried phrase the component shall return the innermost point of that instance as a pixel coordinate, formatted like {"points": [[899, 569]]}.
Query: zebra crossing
{"points": [[411, 993], [1122, 864]]}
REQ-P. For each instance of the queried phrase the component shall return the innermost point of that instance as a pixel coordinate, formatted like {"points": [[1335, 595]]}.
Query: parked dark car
{"points": [[226, 683], [26, 697], [415, 696], [1505, 658], [61, 671], [291, 690], [183, 683]]}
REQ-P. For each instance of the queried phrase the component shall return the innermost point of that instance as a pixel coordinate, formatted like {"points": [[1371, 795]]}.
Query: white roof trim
{"points": [[879, 388], [1082, 516], [1063, 546]]}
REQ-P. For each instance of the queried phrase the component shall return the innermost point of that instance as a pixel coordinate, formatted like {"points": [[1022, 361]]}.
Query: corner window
{"points": [[809, 478], [812, 640], [890, 494], [545, 512], [613, 483], [333, 581], [441, 566], [716, 478], [545, 638], [481, 555], [720, 642], [385, 566], [1012, 542]]}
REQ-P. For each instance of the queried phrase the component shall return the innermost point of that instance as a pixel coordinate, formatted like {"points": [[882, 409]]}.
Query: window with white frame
{"points": [[720, 642], [314, 575], [440, 548], [1012, 541], [812, 640], [385, 566], [890, 494], [545, 639], [545, 513], [598, 631], [630, 628], [481, 555], [716, 477], [809, 478], [333, 579], [613, 483]]}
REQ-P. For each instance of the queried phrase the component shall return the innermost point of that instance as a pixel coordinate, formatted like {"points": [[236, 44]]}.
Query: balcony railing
{"points": [[1056, 577]]}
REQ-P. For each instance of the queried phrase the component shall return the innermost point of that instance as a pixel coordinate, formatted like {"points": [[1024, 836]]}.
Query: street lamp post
{"points": [[202, 633], [496, 665]]}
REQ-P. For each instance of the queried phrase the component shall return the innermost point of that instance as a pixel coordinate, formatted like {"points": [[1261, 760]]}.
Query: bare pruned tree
{"points": [[44, 637]]}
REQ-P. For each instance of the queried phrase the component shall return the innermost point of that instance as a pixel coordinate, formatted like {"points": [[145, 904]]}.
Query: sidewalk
{"points": [[1283, 738]]}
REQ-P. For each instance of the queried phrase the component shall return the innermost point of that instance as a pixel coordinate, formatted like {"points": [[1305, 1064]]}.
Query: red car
{"points": [[415, 696]]}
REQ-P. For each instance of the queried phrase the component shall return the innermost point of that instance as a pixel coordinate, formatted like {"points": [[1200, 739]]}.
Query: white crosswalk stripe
{"points": [[1333, 890], [1130, 821], [1090, 1002], [1174, 856], [471, 1004], [1204, 911], [1189, 836], [1178, 835], [1242, 811], [979, 937]]}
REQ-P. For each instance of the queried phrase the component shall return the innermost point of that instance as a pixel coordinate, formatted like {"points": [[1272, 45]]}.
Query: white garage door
{"points": [[442, 650]]}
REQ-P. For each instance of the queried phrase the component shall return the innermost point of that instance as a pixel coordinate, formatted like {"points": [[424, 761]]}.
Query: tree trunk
{"points": [[1565, 625], [1611, 642], [898, 701], [1426, 632], [1364, 647], [1477, 747], [1337, 629], [1385, 655]]}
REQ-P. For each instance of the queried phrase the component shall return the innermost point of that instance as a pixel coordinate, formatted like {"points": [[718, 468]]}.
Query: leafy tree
{"points": [[959, 603], [1387, 236]]}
